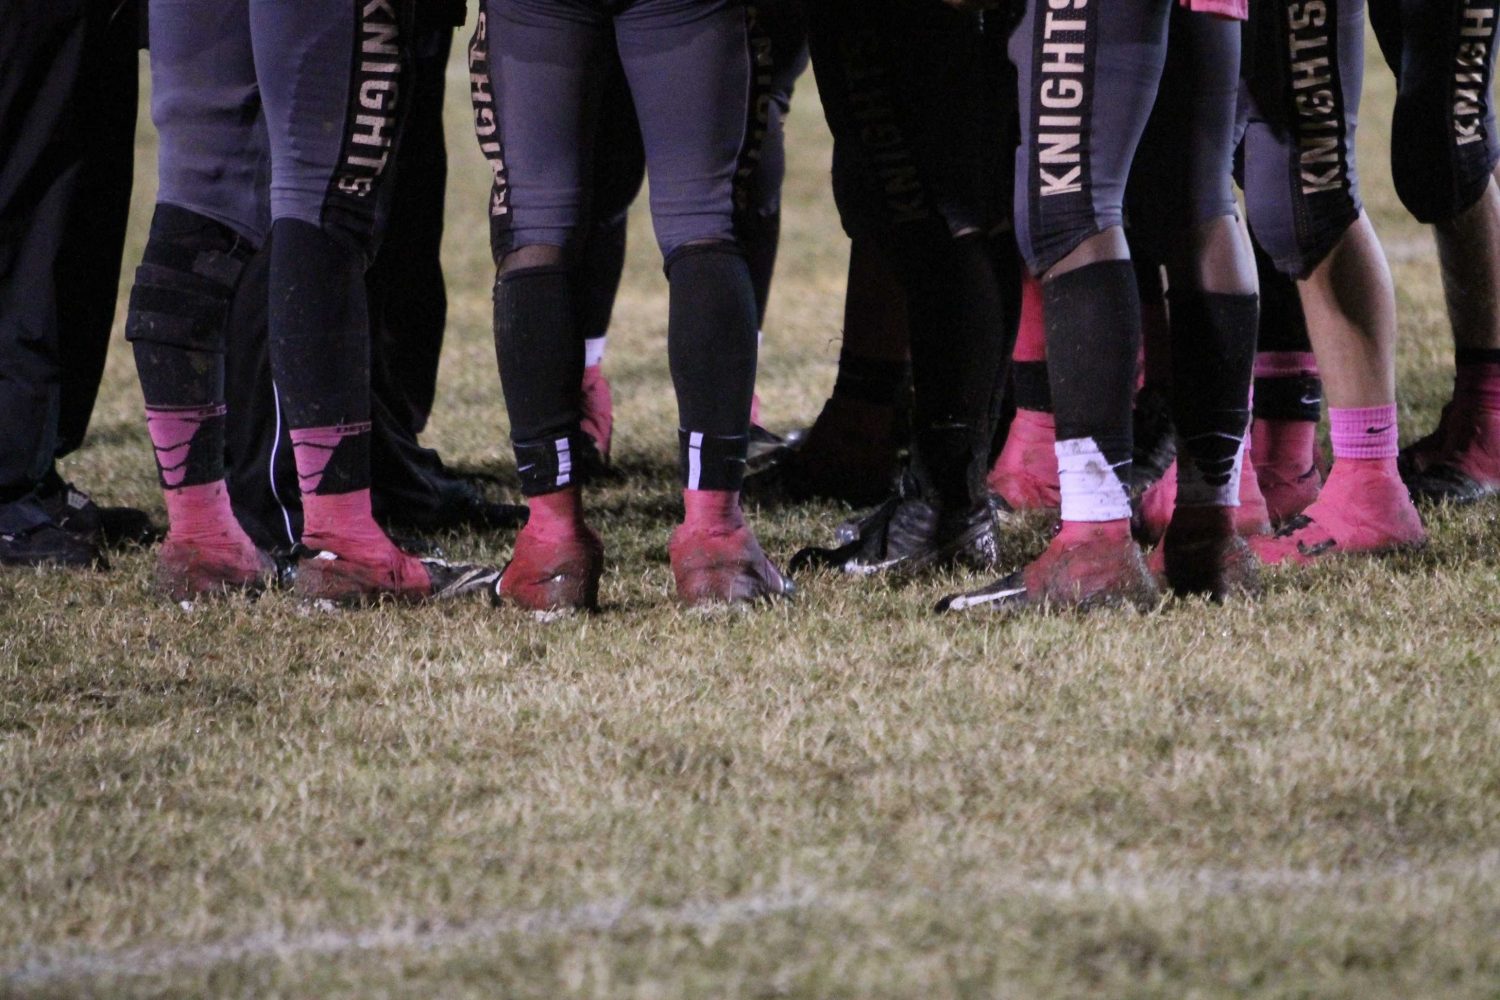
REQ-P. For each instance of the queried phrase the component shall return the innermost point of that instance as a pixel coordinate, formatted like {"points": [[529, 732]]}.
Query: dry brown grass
{"points": [[843, 797]]}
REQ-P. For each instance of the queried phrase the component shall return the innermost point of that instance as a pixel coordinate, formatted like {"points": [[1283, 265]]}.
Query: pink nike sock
{"points": [[203, 514], [555, 517], [1367, 432]]}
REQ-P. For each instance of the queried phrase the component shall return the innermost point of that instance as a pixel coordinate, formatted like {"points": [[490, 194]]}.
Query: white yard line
{"points": [[619, 916]]}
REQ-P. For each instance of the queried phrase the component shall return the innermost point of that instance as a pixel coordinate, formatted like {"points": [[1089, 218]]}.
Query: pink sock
{"points": [[1478, 385], [555, 517], [1031, 336], [202, 513], [1363, 432], [1073, 532], [313, 449], [714, 511], [1285, 364]]}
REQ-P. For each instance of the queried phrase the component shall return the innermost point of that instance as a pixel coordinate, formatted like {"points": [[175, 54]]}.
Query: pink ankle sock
{"points": [[202, 512], [343, 522], [1478, 385], [313, 448], [555, 517], [1363, 432], [1072, 532], [712, 510], [1285, 364]]}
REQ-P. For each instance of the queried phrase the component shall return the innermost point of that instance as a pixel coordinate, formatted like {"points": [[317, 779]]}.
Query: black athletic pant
{"points": [[68, 71]]}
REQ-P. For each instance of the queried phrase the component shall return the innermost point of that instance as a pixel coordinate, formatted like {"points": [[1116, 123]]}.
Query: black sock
{"points": [[711, 343], [1093, 344], [1213, 354]]}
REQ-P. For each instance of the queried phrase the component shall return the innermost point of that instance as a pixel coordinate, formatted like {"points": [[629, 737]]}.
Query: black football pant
{"points": [[67, 131]]}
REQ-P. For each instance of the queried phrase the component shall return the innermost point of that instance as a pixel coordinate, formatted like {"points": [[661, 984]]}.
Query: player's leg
{"points": [[1183, 202], [1288, 399], [331, 75], [538, 82], [1444, 150], [689, 68], [1302, 189], [1088, 79], [905, 94], [209, 218]]}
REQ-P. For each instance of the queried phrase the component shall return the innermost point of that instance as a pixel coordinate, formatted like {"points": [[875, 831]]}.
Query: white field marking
{"points": [[620, 916]]}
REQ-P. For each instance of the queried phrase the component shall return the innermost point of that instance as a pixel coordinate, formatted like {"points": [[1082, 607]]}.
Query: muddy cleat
{"points": [[1202, 553], [908, 535], [1025, 473], [1466, 467], [191, 570], [324, 575], [1087, 566], [1364, 509], [716, 566], [555, 573], [1153, 511], [1284, 454]]}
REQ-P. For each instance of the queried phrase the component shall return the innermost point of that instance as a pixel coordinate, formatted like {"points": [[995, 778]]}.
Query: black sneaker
{"points": [[910, 534], [50, 545], [74, 511], [764, 445]]}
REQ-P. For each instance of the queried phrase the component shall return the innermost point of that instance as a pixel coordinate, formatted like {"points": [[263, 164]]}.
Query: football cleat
{"points": [[723, 567], [323, 575], [551, 574], [1466, 466], [1202, 553], [849, 454], [1154, 510], [190, 570], [49, 545], [1284, 455], [908, 535], [1364, 509], [75, 511], [1086, 567]]}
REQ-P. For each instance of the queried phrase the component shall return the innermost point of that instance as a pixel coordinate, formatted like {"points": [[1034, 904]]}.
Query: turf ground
{"points": [[844, 797]]}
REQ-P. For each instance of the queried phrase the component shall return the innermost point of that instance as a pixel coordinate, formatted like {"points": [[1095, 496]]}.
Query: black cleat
{"points": [[75, 511], [909, 535], [50, 545], [1445, 483], [450, 580]]}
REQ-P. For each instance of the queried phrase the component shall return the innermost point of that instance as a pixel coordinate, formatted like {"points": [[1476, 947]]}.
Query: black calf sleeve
{"points": [[1031, 386], [540, 353], [1213, 354], [1093, 342], [320, 328], [601, 261], [711, 342]]}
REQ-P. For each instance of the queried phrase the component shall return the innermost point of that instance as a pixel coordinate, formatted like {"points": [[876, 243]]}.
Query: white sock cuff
{"points": [[593, 352]]}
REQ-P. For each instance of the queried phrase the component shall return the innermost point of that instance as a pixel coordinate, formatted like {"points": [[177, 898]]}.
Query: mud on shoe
{"points": [[188, 570], [549, 574], [723, 566], [1087, 566]]}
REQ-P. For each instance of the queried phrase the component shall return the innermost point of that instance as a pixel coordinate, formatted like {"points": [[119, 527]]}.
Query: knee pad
{"points": [[186, 281]]}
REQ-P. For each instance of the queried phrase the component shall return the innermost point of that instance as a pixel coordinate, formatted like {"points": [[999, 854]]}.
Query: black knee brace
{"points": [[186, 281]]}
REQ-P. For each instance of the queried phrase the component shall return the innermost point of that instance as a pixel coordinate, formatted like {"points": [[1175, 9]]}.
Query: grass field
{"points": [[843, 797]]}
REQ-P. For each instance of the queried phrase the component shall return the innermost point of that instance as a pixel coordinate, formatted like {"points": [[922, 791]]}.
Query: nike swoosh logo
{"points": [[1378, 430]]}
